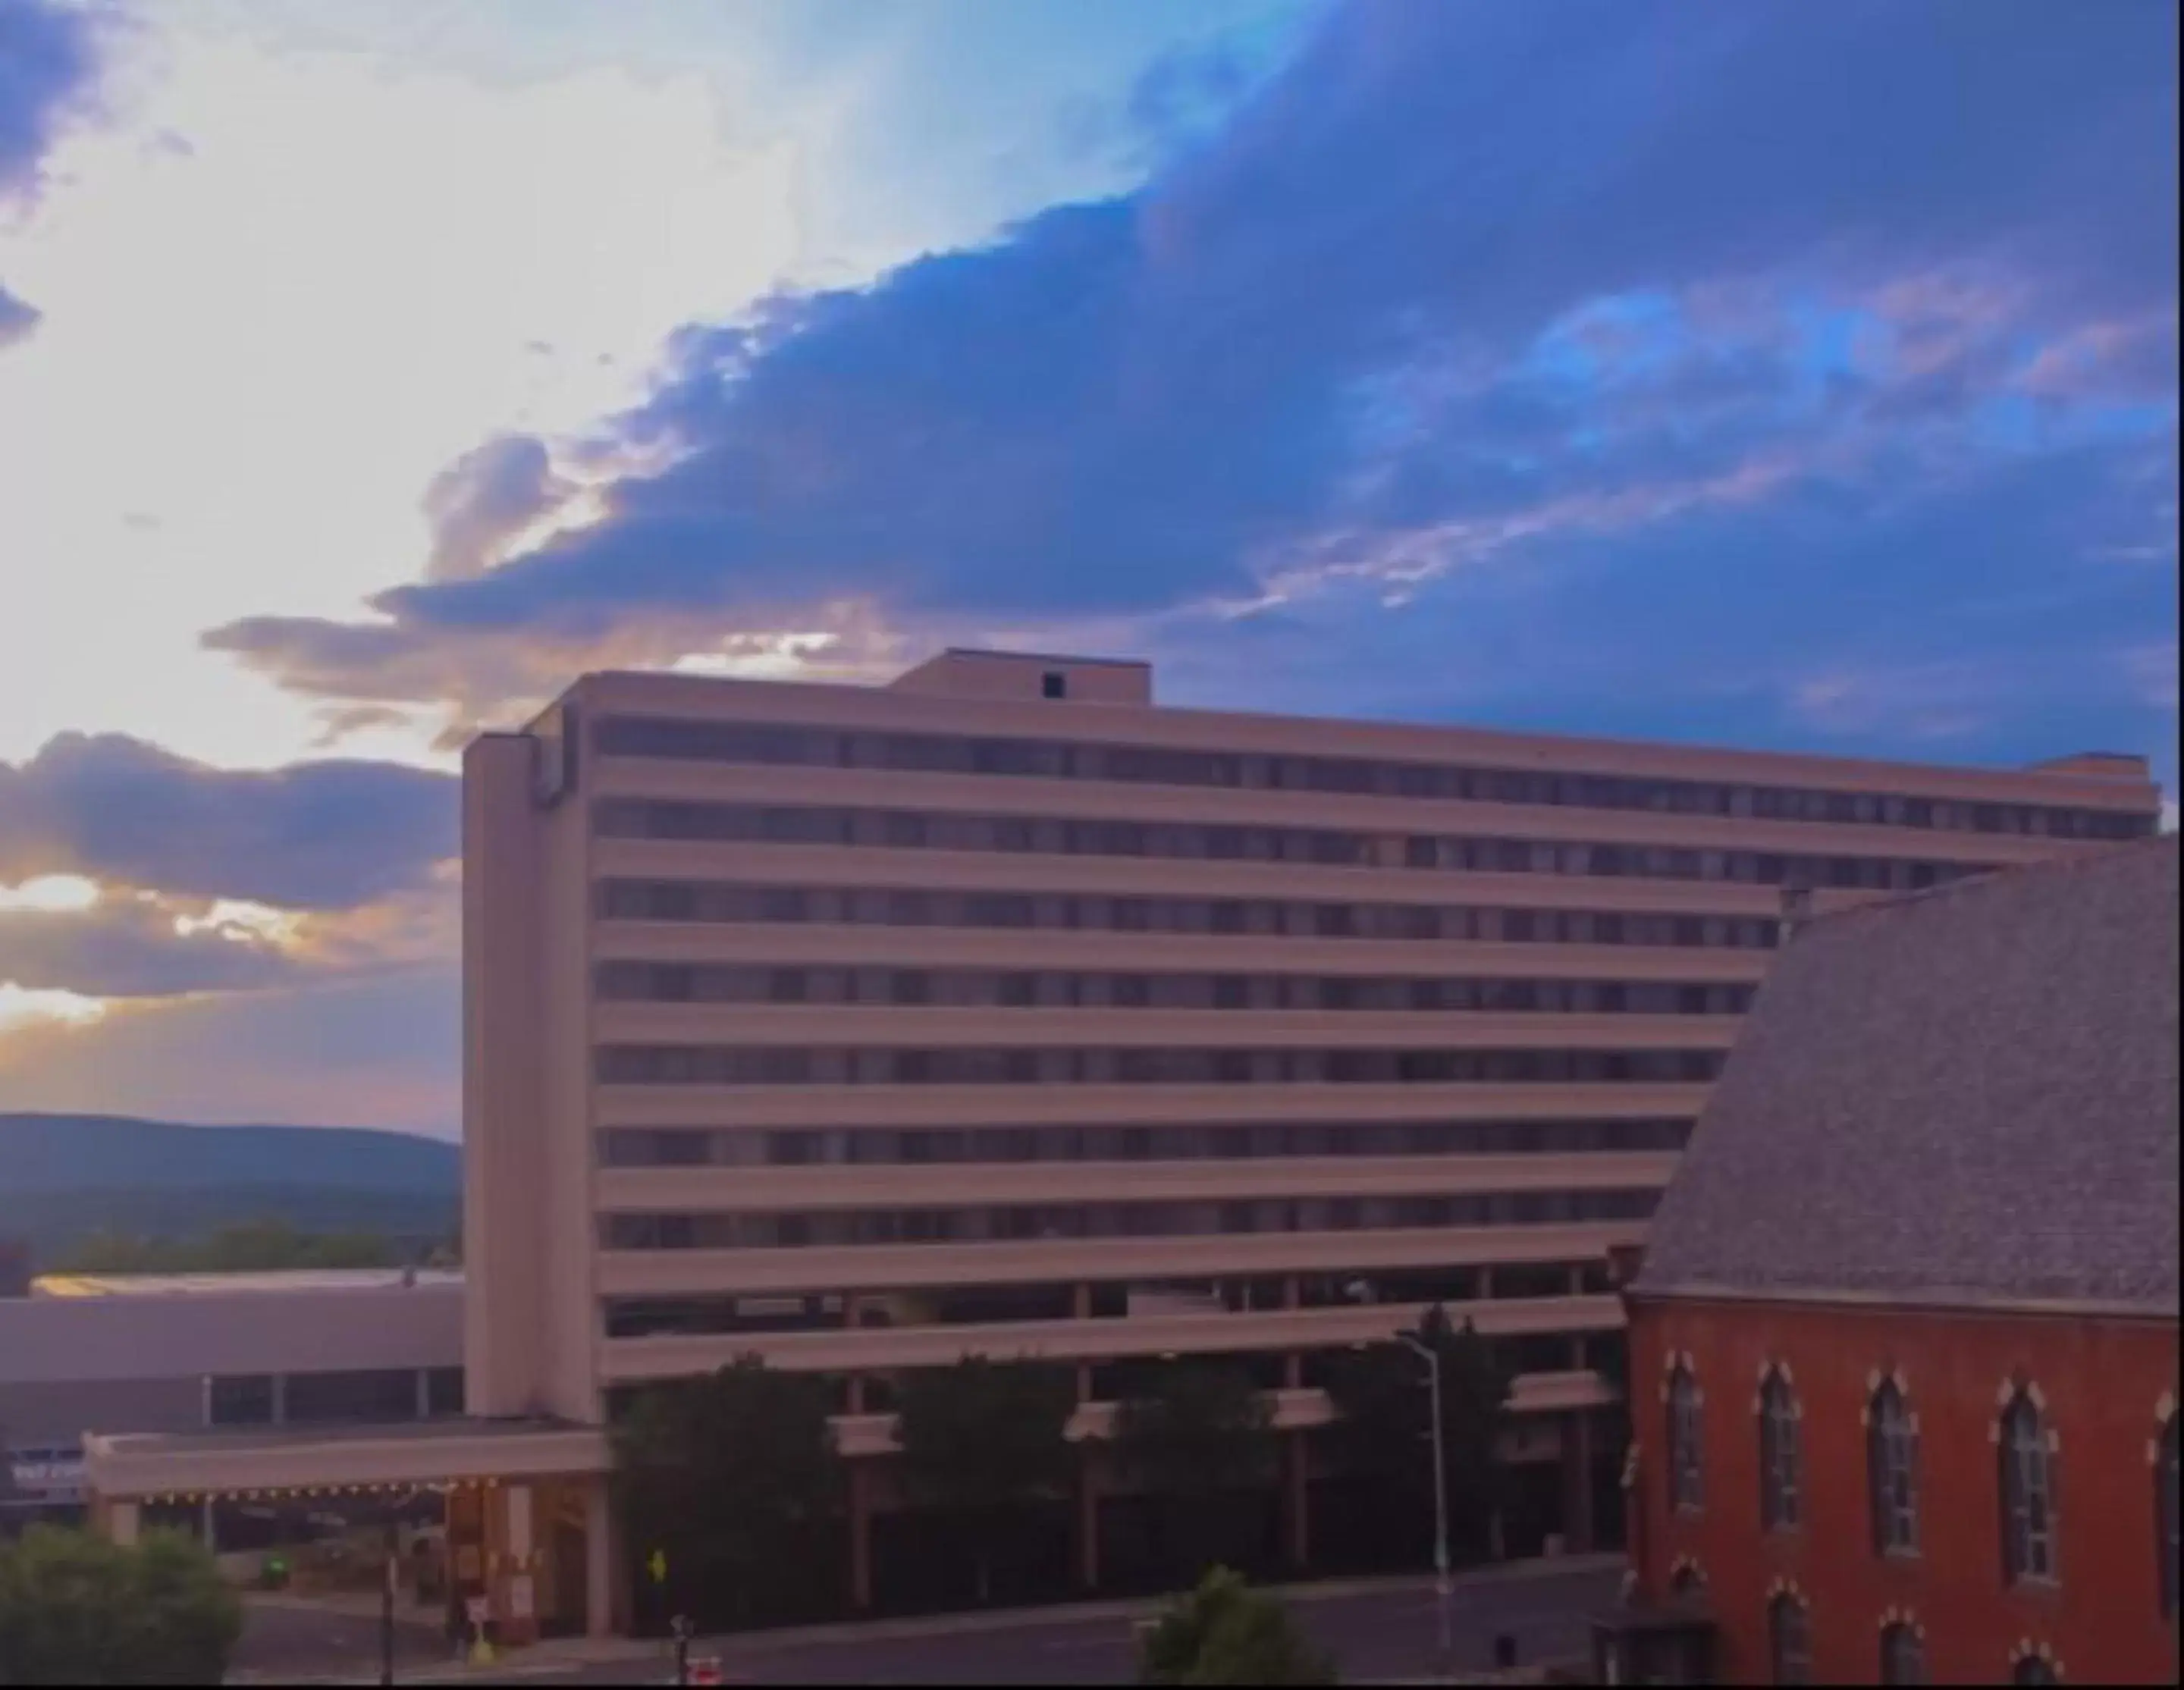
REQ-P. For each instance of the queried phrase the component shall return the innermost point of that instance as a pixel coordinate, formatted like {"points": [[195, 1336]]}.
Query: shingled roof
{"points": [[1964, 1098]]}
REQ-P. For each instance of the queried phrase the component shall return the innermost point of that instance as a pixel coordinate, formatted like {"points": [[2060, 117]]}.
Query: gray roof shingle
{"points": [[1968, 1096]]}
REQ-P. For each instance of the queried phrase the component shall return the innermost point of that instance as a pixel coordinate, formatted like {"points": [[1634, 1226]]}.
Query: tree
{"points": [[734, 1480], [268, 1245], [1383, 1426], [77, 1609], [987, 1435], [1203, 1429], [1225, 1633]]}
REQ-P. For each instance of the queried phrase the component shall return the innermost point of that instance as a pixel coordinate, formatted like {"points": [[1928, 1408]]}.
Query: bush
{"points": [[77, 1609], [1225, 1633]]}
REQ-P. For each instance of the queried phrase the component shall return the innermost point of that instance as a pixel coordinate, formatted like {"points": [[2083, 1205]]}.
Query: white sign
{"points": [[477, 1608], [55, 1475], [519, 1597]]}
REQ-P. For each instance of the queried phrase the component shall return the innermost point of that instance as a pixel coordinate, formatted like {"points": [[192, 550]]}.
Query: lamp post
{"points": [[1440, 1483]]}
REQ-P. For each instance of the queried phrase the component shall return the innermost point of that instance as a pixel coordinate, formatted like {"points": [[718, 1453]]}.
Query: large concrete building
{"points": [[1001, 1011]]}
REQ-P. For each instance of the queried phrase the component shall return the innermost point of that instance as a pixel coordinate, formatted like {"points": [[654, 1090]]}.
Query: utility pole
{"points": [[392, 1543]]}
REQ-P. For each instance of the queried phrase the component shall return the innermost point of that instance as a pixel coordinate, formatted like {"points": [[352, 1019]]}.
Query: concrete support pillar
{"points": [[860, 1536], [208, 1526], [122, 1522], [279, 1400], [424, 1393], [515, 1585], [1080, 1309], [1577, 1483], [1296, 1465], [599, 1559], [1088, 1515], [856, 1403], [1486, 1280]]}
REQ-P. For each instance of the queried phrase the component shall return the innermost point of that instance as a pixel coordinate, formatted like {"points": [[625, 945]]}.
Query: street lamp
{"points": [[1358, 1291], [1440, 1482]]}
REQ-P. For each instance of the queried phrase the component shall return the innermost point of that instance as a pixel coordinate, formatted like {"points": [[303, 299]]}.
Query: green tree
{"points": [[1382, 1430], [1225, 1633], [987, 1435], [734, 1481], [268, 1246], [77, 1609], [1203, 1429]]}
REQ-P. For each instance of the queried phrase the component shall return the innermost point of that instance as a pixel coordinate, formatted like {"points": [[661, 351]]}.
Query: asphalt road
{"points": [[282, 1642], [1378, 1634]]}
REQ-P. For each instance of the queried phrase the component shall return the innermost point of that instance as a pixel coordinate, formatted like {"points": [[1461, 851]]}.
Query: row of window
{"points": [[671, 1147], [683, 1065], [2024, 1475], [351, 1396], [834, 1228], [636, 900], [643, 1317], [1903, 1648], [1323, 846], [1061, 760], [987, 988]]}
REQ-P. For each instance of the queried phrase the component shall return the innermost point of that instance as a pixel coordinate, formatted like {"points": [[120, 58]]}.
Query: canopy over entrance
{"points": [[529, 1527]]}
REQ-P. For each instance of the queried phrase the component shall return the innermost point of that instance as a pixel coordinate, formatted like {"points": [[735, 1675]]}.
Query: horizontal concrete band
{"points": [[628, 1360], [876, 1267]]}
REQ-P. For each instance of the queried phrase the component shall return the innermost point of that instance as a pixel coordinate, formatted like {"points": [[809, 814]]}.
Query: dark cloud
{"points": [[129, 947], [18, 319], [484, 500], [48, 56], [1462, 282], [330, 835]]}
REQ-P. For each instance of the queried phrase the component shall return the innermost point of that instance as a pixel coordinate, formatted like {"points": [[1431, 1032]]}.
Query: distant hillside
{"points": [[64, 1176]]}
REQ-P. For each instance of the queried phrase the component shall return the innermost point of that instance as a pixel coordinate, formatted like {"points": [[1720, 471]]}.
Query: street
{"points": [[1382, 1632]]}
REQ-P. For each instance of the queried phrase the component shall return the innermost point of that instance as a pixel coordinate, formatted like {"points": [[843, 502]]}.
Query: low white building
{"points": [[186, 1352]]}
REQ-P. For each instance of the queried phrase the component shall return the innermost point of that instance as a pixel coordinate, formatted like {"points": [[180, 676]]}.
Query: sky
{"points": [[1795, 376]]}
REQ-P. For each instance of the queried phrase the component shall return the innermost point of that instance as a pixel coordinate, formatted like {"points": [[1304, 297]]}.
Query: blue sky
{"points": [[1794, 375]]}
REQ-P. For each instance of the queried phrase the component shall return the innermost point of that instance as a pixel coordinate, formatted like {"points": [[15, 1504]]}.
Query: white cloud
{"points": [[268, 343]]}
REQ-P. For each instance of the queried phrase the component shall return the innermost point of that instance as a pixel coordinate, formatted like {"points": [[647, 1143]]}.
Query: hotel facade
{"points": [[999, 1010]]}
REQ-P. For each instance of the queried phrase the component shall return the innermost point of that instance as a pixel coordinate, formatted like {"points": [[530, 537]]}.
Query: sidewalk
{"points": [[575, 1654]]}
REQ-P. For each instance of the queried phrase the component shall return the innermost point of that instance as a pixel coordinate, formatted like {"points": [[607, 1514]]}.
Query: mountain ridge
{"points": [[64, 1176]]}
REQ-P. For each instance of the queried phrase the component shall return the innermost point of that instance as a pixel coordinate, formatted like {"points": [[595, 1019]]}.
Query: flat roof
{"points": [[421, 1432], [229, 1284], [304, 1460]]}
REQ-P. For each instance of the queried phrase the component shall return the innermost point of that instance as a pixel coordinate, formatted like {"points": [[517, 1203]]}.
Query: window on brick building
{"points": [[2165, 1485], [1779, 1459], [1789, 1640], [1685, 1488], [1892, 1443], [2028, 1506], [1902, 1654]]}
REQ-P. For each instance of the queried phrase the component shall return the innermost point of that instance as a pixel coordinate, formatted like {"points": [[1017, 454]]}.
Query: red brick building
{"points": [[1904, 1349]]}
